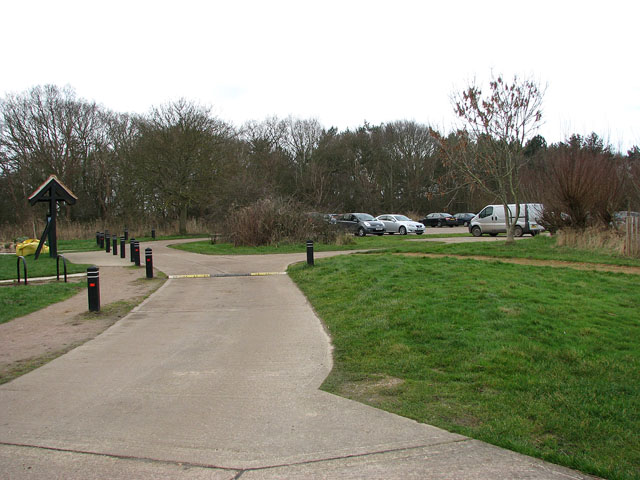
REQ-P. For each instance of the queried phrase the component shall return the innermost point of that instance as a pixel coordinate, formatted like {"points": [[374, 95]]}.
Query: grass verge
{"points": [[543, 361], [359, 243], [537, 248], [43, 267], [19, 300]]}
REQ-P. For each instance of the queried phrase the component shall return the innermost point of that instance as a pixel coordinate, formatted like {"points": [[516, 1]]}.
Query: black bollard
{"points": [[115, 245], [148, 261], [101, 241], [122, 252], [98, 238], [310, 252], [136, 249], [93, 284], [132, 249], [153, 233], [126, 234], [107, 242]]}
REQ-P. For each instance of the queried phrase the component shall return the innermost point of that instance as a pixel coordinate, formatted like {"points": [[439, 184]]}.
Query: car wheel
{"points": [[466, 224], [361, 232], [518, 232], [534, 233], [439, 224], [402, 231], [476, 231]]}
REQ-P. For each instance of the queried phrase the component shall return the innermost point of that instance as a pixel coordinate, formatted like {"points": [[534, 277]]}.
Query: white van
{"points": [[491, 220]]}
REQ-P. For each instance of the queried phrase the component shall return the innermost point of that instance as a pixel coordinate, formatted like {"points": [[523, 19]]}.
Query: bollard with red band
{"points": [[93, 288], [136, 253], [148, 261]]}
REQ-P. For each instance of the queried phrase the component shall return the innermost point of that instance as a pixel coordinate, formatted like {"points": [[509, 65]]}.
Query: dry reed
{"points": [[592, 238]]}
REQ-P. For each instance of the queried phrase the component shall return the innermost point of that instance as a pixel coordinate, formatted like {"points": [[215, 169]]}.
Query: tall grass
{"points": [[592, 238]]}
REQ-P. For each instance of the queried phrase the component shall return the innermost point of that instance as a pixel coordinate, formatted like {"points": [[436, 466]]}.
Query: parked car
{"points": [[463, 218], [491, 220], [439, 220], [401, 224], [620, 218], [360, 224]]}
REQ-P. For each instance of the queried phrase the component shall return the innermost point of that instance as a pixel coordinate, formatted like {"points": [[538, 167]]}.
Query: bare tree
{"points": [[48, 130], [179, 156], [489, 152]]}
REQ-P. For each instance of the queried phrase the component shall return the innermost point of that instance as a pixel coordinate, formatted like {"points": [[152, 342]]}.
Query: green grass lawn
{"points": [[540, 248], [45, 266], [541, 360], [369, 242], [19, 300]]}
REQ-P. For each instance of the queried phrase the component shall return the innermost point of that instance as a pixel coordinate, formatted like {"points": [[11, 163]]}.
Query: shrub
{"points": [[581, 185], [270, 221]]}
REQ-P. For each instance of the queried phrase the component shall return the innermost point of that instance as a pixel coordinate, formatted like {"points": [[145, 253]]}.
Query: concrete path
{"points": [[218, 378]]}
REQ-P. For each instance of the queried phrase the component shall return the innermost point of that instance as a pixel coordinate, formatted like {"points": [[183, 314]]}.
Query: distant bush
{"points": [[270, 221]]}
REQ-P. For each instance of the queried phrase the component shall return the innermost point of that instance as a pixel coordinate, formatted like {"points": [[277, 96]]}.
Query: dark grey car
{"points": [[360, 224]]}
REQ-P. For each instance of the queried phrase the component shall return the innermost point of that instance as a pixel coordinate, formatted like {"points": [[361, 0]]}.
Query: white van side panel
{"points": [[491, 218]]}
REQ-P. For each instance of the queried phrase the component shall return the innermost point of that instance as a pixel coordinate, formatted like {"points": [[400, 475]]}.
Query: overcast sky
{"points": [[342, 62]]}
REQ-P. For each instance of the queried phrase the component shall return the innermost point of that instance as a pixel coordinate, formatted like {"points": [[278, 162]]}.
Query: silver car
{"points": [[401, 224]]}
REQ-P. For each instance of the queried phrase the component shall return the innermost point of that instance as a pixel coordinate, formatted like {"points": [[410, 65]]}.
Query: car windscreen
{"points": [[402, 218], [365, 217]]}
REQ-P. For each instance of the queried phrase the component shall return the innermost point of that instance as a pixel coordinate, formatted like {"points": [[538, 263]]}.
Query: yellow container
{"points": [[29, 247]]}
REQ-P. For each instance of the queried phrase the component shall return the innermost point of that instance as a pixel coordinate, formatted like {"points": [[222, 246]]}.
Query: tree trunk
{"points": [[182, 225]]}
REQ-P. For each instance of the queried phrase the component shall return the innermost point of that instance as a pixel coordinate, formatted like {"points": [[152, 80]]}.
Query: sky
{"points": [[341, 62]]}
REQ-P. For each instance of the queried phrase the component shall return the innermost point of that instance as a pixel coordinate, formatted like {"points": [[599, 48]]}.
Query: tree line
{"points": [[180, 161]]}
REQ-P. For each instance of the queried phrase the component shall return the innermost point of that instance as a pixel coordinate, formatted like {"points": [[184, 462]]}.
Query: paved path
{"points": [[218, 378]]}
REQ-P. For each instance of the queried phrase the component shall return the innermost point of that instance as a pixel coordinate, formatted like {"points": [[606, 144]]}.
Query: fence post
{"points": [[24, 264], [93, 288]]}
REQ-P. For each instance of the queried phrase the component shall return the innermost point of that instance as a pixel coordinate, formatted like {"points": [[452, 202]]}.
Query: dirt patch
{"points": [[540, 263], [30, 341], [373, 391]]}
